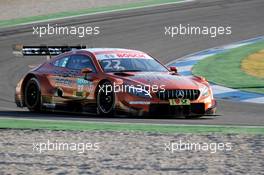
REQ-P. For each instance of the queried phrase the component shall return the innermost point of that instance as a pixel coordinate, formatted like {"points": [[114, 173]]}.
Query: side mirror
{"points": [[173, 69], [87, 70]]}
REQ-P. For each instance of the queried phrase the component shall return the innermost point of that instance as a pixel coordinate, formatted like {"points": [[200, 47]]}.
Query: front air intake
{"points": [[191, 94]]}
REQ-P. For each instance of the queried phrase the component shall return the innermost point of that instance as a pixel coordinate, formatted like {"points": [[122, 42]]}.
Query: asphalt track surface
{"points": [[143, 30]]}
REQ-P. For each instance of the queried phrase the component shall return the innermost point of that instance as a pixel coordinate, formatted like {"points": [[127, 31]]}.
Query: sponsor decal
{"points": [[49, 105], [63, 82], [175, 102], [81, 81], [60, 73], [47, 99], [130, 55], [84, 84], [79, 93], [122, 55], [139, 102]]}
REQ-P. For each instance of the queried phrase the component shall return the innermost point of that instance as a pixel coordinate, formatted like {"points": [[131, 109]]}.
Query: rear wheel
{"points": [[33, 95], [106, 99]]}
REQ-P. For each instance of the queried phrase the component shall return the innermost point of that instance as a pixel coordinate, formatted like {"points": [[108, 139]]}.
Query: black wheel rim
{"points": [[106, 98], [32, 95]]}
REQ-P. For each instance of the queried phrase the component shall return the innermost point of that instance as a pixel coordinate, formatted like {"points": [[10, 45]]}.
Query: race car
{"points": [[110, 81]]}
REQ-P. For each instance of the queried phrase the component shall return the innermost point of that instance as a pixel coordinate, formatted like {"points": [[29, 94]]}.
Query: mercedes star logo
{"points": [[180, 94]]}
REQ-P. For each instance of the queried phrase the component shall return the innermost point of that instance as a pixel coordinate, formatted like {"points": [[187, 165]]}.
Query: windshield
{"points": [[131, 65]]}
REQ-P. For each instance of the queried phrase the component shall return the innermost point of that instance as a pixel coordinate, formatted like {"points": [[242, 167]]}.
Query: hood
{"points": [[160, 79]]}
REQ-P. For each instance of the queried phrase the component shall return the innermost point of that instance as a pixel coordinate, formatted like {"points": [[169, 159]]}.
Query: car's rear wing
{"points": [[43, 50]]}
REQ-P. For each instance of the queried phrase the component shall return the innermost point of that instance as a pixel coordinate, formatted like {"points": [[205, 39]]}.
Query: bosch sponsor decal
{"points": [[118, 55], [186, 63], [131, 55]]}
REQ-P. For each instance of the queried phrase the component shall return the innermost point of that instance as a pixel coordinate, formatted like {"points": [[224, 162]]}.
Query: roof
{"points": [[100, 50]]}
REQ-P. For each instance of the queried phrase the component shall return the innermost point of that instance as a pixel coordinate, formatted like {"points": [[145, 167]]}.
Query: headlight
{"points": [[204, 91], [138, 91]]}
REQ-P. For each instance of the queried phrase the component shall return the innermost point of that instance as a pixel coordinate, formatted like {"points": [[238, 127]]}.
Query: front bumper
{"points": [[156, 107]]}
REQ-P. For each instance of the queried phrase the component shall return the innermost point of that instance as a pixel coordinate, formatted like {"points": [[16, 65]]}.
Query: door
{"points": [[82, 87], [67, 79]]}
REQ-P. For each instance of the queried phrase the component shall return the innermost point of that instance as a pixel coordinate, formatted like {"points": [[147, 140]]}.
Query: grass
{"points": [[8, 123], [225, 69], [31, 19]]}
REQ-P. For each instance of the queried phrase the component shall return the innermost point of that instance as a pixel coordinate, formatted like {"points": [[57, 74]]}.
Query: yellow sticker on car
{"points": [[175, 102], [79, 94]]}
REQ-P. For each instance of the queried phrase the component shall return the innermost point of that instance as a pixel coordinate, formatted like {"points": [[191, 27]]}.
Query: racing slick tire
{"points": [[105, 99], [33, 95]]}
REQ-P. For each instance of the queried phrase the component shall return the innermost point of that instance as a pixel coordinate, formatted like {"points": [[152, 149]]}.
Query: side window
{"points": [[80, 62], [61, 62]]}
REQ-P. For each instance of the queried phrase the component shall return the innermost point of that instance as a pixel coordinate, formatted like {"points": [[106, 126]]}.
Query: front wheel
{"points": [[33, 95], [105, 99]]}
